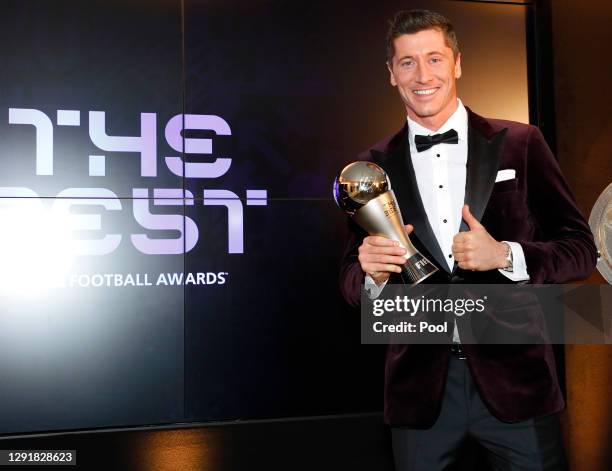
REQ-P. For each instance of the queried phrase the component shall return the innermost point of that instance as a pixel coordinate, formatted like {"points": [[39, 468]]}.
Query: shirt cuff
{"points": [[519, 266], [372, 289]]}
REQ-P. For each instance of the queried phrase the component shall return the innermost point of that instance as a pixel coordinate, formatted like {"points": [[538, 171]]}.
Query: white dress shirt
{"points": [[441, 174]]}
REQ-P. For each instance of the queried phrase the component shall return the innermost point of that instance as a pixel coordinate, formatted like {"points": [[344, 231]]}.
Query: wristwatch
{"points": [[509, 267]]}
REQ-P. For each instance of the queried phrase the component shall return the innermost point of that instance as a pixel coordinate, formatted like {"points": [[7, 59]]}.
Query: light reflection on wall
{"points": [[494, 82], [36, 247], [180, 449]]}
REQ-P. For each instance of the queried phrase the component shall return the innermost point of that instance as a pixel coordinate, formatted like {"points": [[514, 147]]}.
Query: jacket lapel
{"points": [[396, 161], [484, 154]]}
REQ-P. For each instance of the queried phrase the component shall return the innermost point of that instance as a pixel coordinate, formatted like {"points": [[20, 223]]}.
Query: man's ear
{"points": [[458, 66], [391, 76]]}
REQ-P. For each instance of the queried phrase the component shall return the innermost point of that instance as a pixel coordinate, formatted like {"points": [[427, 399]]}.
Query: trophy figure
{"points": [[364, 192]]}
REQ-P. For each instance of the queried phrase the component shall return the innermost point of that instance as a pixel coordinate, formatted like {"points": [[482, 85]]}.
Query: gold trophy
{"points": [[364, 192]]}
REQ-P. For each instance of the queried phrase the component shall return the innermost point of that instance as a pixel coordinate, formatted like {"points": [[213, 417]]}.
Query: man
{"points": [[487, 203]]}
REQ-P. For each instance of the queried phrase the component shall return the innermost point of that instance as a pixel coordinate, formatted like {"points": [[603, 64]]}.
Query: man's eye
{"points": [[436, 60], [407, 63]]}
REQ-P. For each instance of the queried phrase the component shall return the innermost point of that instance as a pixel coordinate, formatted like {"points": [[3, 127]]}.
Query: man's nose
{"points": [[423, 73]]}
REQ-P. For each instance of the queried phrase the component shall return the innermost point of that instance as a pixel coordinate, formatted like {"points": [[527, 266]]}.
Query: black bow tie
{"points": [[425, 142]]}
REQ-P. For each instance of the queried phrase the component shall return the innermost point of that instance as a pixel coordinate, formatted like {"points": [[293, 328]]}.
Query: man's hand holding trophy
{"points": [[363, 191]]}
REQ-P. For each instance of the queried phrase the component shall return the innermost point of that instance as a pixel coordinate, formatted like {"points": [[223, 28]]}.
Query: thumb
{"points": [[469, 218], [409, 228]]}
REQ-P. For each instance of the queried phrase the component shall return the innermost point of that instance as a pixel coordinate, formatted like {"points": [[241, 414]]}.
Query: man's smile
{"points": [[426, 91]]}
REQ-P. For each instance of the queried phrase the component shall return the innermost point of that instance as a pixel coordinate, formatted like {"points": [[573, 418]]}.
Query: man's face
{"points": [[424, 71]]}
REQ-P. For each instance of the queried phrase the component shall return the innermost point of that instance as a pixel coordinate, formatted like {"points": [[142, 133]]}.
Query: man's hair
{"points": [[413, 21]]}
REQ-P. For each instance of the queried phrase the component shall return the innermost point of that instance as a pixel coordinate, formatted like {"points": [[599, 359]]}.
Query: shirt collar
{"points": [[457, 121]]}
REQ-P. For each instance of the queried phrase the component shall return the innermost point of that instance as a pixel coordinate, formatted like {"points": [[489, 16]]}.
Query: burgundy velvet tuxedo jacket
{"points": [[536, 209]]}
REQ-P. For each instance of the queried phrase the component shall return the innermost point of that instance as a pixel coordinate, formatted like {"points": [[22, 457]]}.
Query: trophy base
{"points": [[416, 269]]}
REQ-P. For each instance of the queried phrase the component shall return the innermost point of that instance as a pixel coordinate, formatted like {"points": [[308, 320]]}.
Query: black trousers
{"points": [[534, 444]]}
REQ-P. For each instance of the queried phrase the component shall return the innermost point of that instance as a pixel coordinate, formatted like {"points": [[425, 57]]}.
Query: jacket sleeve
{"points": [[351, 275], [566, 250]]}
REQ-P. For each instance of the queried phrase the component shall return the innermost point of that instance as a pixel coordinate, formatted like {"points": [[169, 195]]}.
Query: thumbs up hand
{"points": [[475, 249]]}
